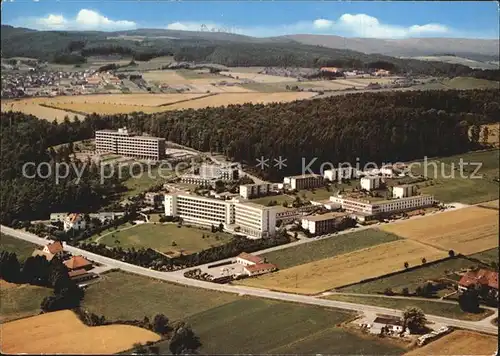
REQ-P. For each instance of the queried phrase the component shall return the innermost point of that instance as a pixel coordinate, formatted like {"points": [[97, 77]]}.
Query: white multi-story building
{"points": [[304, 181], [341, 173], [199, 210], [248, 191], [125, 143], [227, 172], [370, 208], [403, 191], [253, 220], [322, 224], [370, 182]]}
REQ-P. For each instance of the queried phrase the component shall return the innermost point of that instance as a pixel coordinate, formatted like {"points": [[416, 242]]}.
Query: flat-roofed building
{"points": [[254, 220], [367, 207], [248, 191], [199, 210], [286, 215], [341, 173], [403, 191], [322, 224], [304, 181], [370, 182], [125, 143], [227, 172]]}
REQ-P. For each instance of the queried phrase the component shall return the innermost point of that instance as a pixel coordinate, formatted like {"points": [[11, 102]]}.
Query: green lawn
{"points": [[257, 326], [193, 74], [164, 237], [280, 199], [429, 307], [23, 249], [330, 247], [487, 256], [19, 301], [458, 189], [410, 279], [142, 182], [119, 295]]}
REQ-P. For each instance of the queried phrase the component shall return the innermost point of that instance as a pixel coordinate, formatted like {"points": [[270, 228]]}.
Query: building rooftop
{"points": [[260, 267], [302, 176], [77, 262], [251, 258], [322, 217], [55, 247], [483, 277], [388, 320]]}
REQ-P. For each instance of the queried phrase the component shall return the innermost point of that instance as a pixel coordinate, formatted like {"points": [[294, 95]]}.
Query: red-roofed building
{"points": [[74, 221], [260, 268], [247, 259], [482, 277], [78, 262], [81, 275], [54, 248]]}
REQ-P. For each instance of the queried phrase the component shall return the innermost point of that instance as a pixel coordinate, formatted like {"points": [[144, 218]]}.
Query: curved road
{"points": [[483, 325]]}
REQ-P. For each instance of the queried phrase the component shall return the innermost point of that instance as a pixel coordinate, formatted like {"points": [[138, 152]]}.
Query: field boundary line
{"points": [[185, 100], [273, 350], [67, 110]]}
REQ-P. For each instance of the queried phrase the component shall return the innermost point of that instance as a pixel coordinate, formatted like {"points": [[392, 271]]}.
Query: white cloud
{"points": [[84, 20], [352, 25]]}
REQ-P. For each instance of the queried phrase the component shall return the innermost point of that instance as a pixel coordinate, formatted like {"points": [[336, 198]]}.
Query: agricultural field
{"points": [[490, 204], [333, 246], [62, 332], [258, 78], [432, 307], [319, 276], [410, 279], [459, 342], [166, 238], [23, 249], [20, 300], [466, 231], [488, 256], [120, 295], [32, 107], [448, 186], [259, 326]]}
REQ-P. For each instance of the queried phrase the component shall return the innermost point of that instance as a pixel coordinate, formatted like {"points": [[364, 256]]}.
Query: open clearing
{"points": [[120, 295], [459, 342], [352, 267], [20, 300], [22, 249], [487, 256], [330, 247], [165, 238], [448, 186], [410, 279], [467, 231], [447, 310], [62, 332], [259, 326], [259, 78]]}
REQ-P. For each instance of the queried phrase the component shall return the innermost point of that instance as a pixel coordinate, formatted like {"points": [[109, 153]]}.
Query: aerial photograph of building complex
{"points": [[254, 178]]}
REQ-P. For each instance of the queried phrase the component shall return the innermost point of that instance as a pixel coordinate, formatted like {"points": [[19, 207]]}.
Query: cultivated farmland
{"points": [[20, 300], [352, 267], [467, 231], [62, 332], [459, 342], [259, 326], [259, 78]]}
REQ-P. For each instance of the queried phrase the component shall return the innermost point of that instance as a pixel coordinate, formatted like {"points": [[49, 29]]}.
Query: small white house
{"points": [[403, 191], [247, 259], [370, 182], [74, 221]]}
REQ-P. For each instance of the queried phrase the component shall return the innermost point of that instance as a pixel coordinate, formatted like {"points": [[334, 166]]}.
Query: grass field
{"points": [[23, 249], [62, 332], [487, 256], [257, 326], [20, 300], [162, 236], [467, 231], [304, 195], [410, 279], [428, 306], [448, 188], [490, 204], [459, 342], [259, 78], [120, 295], [136, 185], [330, 247], [279, 199], [316, 277]]}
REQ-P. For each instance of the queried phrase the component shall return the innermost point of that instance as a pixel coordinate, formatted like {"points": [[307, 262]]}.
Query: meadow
{"points": [[487, 256], [20, 300], [163, 237], [330, 247], [23, 249], [448, 310], [62, 332], [466, 231], [459, 342], [259, 326], [319, 276]]}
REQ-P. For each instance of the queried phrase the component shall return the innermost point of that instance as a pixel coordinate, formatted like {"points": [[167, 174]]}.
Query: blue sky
{"points": [[387, 19]]}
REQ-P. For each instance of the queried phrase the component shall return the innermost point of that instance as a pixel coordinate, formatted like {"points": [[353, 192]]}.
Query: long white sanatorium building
{"points": [[125, 143], [253, 220]]}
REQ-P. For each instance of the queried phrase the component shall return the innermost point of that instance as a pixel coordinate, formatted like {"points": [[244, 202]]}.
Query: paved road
{"points": [[483, 326]]}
